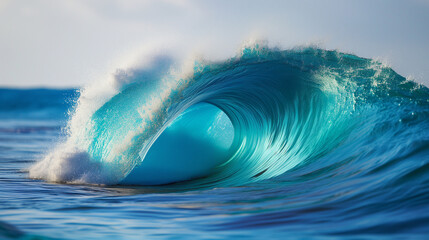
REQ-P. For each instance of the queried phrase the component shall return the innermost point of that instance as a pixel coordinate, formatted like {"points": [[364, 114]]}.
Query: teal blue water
{"points": [[302, 144]]}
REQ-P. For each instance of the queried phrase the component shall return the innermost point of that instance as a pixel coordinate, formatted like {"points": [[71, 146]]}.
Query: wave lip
{"points": [[253, 117]]}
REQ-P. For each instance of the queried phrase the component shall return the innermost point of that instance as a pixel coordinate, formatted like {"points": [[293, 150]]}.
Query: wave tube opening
{"points": [[192, 146]]}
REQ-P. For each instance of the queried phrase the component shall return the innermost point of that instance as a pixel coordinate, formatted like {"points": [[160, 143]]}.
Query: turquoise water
{"points": [[302, 143]]}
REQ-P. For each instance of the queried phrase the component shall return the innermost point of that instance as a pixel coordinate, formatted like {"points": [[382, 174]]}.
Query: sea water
{"points": [[302, 144]]}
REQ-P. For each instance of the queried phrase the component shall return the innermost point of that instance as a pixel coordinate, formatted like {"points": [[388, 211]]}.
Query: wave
{"points": [[256, 116]]}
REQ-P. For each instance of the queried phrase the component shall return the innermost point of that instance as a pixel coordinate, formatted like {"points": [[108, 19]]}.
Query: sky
{"points": [[52, 43]]}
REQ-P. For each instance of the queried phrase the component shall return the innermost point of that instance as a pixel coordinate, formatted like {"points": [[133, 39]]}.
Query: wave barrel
{"points": [[195, 143]]}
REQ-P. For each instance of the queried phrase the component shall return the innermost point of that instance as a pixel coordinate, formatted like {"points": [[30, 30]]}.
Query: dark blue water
{"points": [[299, 144]]}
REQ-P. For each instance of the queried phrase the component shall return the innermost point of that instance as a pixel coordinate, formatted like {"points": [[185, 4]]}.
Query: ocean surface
{"points": [[303, 143]]}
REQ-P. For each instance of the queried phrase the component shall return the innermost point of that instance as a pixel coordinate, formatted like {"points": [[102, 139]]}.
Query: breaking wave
{"points": [[256, 116]]}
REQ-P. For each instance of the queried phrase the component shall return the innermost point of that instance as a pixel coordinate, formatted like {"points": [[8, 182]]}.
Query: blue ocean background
{"points": [[304, 143]]}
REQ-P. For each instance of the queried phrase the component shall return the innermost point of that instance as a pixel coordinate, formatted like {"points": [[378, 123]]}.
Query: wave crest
{"points": [[271, 110]]}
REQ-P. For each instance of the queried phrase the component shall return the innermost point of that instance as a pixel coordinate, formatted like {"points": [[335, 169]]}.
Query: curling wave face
{"points": [[253, 117]]}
